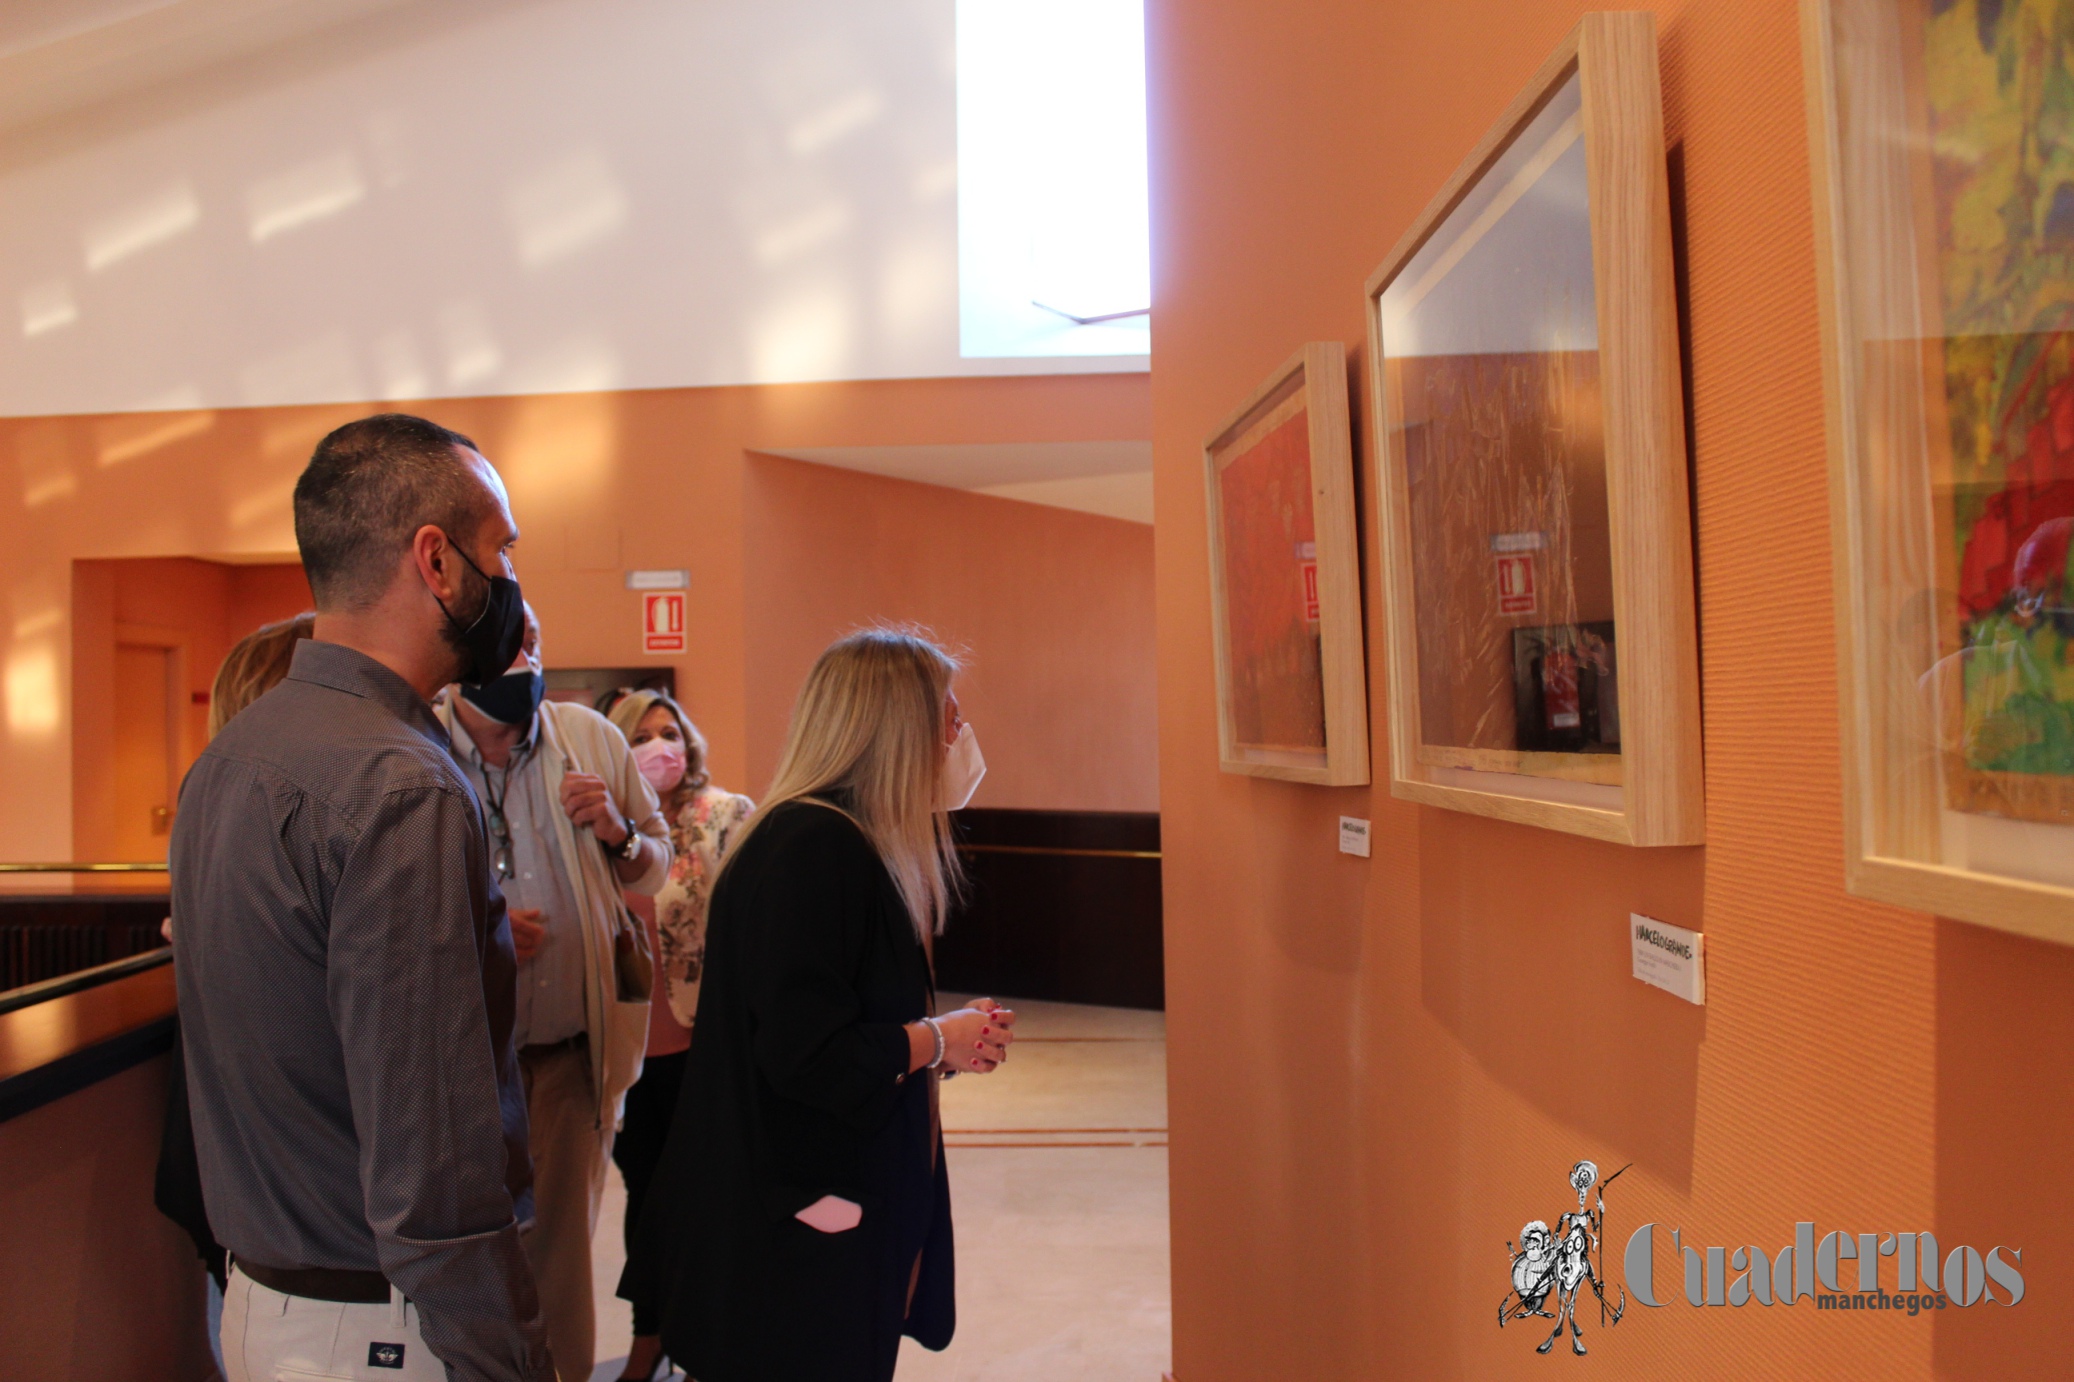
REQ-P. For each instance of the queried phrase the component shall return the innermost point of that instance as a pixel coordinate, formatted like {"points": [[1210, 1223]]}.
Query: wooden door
{"points": [[147, 740]]}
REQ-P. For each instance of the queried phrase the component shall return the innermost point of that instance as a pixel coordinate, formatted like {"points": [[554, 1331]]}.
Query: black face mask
{"points": [[511, 699], [491, 642]]}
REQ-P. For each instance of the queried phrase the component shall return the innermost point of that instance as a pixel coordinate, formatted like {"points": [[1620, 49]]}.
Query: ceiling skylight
{"points": [[1053, 252]]}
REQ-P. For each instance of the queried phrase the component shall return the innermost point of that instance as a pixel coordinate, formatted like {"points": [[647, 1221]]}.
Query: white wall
{"points": [[499, 197]]}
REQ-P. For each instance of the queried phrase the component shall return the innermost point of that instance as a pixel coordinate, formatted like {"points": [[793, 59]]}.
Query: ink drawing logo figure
{"points": [[1559, 1263]]}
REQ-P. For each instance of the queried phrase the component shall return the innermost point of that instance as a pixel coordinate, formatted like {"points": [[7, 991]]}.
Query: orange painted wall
{"points": [[1381, 1069], [95, 1282], [1051, 609], [262, 593], [599, 483]]}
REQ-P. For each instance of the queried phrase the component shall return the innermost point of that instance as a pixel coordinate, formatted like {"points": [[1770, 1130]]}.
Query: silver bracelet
{"points": [[936, 1031]]}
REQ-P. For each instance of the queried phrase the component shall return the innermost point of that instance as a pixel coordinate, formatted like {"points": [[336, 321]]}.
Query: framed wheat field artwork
{"points": [[1530, 467], [1944, 195], [1285, 581]]}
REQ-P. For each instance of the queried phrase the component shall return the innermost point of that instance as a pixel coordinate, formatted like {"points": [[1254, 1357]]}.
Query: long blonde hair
{"points": [[868, 732], [254, 666]]}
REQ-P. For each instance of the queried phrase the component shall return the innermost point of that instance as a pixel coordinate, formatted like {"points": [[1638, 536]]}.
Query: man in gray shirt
{"points": [[344, 961]]}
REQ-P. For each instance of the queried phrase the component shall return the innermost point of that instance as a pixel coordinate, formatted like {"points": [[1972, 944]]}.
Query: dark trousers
{"points": [[651, 1106]]}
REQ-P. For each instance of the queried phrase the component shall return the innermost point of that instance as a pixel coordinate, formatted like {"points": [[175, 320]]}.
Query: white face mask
{"points": [[962, 770]]}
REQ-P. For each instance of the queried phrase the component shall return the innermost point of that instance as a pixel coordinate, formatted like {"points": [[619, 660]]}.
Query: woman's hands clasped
{"points": [[976, 1038]]}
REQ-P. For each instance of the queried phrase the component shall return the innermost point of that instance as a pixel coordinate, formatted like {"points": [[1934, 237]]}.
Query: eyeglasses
{"points": [[500, 831]]}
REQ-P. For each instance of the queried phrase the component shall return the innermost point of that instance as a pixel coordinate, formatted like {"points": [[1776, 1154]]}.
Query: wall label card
{"points": [[663, 578], [1670, 957], [1353, 836]]}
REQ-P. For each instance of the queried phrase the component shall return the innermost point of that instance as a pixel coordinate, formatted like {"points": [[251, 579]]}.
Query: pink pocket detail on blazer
{"points": [[832, 1214]]}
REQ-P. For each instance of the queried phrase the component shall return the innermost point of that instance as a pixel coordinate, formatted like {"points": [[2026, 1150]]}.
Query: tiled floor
{"points": [[608, 1256], [1059, 1188]]}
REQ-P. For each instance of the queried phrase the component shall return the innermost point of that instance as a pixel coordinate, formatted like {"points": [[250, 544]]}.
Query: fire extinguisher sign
{"points": [[662, 621], [1516, 583]]}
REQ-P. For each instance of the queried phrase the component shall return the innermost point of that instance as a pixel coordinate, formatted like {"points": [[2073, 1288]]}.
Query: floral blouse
{"points": [[701, 833]]}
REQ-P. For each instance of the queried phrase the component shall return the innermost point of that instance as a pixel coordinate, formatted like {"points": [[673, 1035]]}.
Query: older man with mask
{"points": [[343, 959], [572, 822]]}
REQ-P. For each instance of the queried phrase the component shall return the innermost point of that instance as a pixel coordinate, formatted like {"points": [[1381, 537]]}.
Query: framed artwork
{"points": [[1944, 215], [1530, 467], [1285, 583]]}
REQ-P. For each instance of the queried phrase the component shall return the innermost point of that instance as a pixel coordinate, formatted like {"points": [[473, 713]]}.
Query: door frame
{"points": [[180, 749]]}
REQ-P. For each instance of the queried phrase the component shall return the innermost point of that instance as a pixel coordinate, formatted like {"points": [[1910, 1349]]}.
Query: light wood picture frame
{"points": [[1285, 578], [1948, 368], [1530, 467]]}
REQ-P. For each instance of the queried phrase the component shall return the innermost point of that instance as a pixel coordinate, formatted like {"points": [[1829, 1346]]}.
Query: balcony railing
{"points": [[45, 937]]}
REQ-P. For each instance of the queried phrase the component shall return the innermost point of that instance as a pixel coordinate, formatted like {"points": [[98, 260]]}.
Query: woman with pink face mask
{"points": [[671, 754]]}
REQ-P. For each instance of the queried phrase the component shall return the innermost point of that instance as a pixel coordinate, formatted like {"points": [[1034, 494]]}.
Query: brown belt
{"points": [[337, 1284]]}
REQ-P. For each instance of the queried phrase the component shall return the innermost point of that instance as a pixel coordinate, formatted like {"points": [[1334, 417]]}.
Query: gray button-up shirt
{"points": [[550, 984], [345, 974]]}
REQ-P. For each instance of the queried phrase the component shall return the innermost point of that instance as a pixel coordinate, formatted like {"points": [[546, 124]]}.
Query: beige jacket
{"points": [[575, 738]]}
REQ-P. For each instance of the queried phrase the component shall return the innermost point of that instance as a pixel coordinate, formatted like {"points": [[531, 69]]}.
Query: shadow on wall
{"points": [[2002, 1112], [1533, 982]]}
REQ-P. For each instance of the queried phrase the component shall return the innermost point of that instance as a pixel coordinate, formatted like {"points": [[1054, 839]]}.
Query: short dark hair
{"points": [[369, 486]]}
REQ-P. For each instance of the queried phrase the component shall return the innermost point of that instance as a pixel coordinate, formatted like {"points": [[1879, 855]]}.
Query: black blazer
{"points": [[796, 1088]]}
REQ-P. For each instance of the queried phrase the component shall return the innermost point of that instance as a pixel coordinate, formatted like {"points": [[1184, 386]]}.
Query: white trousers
{"points": [[271, 1337]]}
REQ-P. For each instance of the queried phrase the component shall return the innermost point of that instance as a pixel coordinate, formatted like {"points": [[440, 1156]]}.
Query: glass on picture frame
{"points": [[1531, 465], [1945, 217], [1285, 578], [1491, 363]]}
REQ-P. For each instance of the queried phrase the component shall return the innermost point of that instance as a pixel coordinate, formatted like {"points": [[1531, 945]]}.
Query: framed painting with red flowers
{"points": [[1945, 210]]}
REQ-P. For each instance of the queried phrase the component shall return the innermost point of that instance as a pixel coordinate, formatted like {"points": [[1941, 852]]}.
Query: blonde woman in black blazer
{"points": [[800, 1223]]}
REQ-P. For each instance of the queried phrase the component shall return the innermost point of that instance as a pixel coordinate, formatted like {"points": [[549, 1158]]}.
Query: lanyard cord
{"points": [[500, 824], [512, 764]]}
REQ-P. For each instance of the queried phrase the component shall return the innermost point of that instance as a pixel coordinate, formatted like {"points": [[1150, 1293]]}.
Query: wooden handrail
{"points": [[29, 995], [62, 1043], [82, 868]]}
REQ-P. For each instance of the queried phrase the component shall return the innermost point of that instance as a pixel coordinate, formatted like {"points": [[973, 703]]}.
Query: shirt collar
{"points": [[464, 745], [355, 673]]}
